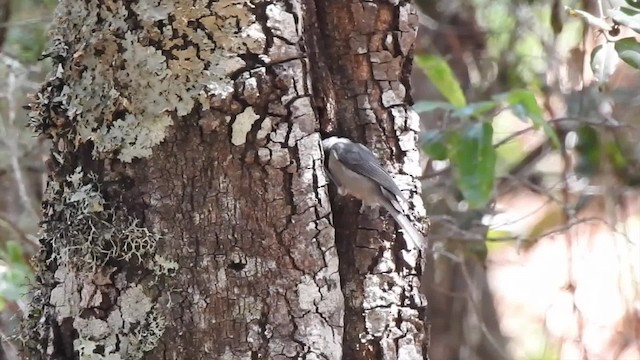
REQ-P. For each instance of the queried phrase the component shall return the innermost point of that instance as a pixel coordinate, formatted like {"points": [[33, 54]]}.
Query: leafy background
{"points": [[23, 26], [531, 171], [530, 116]]}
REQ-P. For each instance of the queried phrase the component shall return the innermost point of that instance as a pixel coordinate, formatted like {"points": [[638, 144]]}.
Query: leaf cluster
{"points": [[470, 149], [606, 57]]}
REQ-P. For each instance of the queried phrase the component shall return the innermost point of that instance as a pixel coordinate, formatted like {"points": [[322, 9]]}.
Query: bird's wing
{"points": [[360, 159]]}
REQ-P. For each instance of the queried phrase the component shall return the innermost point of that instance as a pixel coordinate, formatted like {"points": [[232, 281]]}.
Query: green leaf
{"points": [[426, 106], [633, 3], [10, 289], [433, 142], [442, 77], [627, 17], [13, 282], [473, 160], [474, 109], [588, 150], [493, 235], [629, 51], [14, 253], [27, 42], [604, 60], [524, 104], [615, 155]]}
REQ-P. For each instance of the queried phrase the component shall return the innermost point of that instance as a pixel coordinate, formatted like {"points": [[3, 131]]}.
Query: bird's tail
{"points": [[412, 236]]}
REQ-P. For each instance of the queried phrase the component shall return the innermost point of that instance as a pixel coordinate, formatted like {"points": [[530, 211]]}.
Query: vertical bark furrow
{"points": [[363, 49]]}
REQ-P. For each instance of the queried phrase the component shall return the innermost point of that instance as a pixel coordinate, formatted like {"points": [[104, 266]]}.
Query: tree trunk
{"points": [[364, 50], [187, 214]]}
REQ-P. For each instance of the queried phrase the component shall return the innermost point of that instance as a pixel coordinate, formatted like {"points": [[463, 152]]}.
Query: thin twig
{"points": [[478, 311], [26, 22]]}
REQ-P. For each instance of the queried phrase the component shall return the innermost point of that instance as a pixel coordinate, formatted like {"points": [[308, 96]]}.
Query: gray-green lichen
{"points": [[142, 321], [86, 237], [125, 83], [129, 72], [124, 73]]}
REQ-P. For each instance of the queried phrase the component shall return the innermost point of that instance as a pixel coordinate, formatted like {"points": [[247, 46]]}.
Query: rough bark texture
{"points": [[363, 63], [187, 212]]}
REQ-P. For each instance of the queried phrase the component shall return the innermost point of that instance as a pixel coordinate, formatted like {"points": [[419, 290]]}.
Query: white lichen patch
{"points": [[86, 350], [308, 293], [321, 303], [133, 138], [142, 91], [230, 355], [320, 338], [242, 125], [123, 88], [64, 297], [115, 320], [377, 320], [134, 305], [164, 267], [331, 303], [146, 336], [282, 23], [254, 336], [85, 233], [94, 329], [131, 330], [382, 290], [265, 128], [221, 278], [153, 10]]}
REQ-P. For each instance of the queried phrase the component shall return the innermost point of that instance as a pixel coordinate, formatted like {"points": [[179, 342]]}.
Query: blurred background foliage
{"points": [[23, 25], [531, 163], [530, 117]]}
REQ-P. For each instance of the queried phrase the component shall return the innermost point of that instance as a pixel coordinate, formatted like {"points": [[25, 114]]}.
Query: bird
{"points": [[356, 171]]}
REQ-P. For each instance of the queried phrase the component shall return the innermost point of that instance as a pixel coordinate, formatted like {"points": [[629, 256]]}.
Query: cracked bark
{"points": [[187, 214], [363, 52]]}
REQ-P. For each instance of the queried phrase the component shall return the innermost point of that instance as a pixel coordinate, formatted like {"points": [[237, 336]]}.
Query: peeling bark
{"points": [[187, 214]]}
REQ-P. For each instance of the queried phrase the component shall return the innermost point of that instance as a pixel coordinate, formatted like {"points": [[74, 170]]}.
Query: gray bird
{"points": [[356, 171]]}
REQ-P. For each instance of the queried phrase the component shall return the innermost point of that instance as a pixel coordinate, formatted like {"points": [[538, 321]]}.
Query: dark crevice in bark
{"points": [[315, 40], [63, 336]]}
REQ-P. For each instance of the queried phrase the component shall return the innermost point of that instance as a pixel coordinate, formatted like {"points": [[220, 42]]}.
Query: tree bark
{"points": [[187, 214], [364, 62]]}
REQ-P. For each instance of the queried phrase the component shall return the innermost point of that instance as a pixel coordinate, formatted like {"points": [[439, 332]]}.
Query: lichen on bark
{"points": [[142, 255], [187, 210]]}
